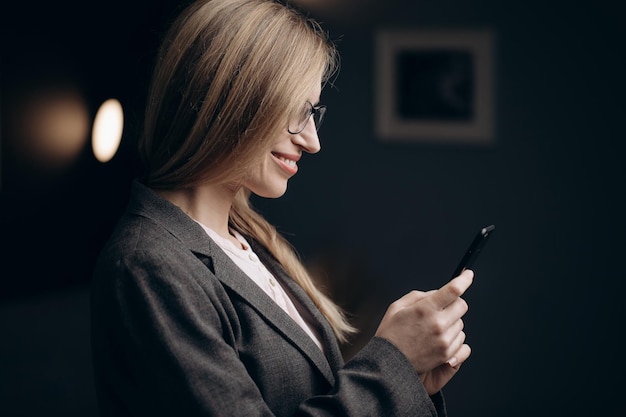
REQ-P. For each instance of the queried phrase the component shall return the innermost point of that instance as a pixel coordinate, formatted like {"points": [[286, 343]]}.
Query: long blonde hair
{"points": [[227, 75]]}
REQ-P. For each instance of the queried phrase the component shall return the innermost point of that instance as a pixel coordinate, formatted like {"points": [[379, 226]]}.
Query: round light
{"points": [[107, 130]]}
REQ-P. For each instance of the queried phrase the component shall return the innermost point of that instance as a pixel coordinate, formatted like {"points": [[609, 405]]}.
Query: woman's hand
{"points": [[435, 379], [427, 328]]}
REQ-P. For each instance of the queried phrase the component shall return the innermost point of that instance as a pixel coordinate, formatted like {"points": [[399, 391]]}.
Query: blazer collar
{"points": [[147, 203]]}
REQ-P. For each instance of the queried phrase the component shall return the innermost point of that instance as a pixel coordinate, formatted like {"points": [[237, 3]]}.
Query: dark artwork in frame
{"points": [[435, 85]]}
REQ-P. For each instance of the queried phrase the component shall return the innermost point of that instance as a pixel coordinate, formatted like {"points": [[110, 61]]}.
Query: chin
{"points": [[270, 192], [272, 195]]}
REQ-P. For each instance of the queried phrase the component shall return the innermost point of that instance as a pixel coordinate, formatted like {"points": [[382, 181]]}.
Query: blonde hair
{"points": [[227, 75]]}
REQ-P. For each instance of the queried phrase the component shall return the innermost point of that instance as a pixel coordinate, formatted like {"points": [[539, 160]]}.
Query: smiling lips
{"points": [[287, 162]]}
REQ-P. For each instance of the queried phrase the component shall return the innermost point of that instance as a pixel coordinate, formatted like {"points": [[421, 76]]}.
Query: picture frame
{"points": [[435, 86]]}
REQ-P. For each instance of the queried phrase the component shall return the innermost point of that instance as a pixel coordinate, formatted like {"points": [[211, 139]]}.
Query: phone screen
{"points": [[474, 249]]}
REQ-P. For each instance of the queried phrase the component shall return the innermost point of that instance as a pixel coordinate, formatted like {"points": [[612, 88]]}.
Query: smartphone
{"points": [[474, 249]]}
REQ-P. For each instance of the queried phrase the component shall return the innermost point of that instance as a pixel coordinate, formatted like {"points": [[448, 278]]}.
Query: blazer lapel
{"points": [[145, 202], [235, 279], [329, 341]]}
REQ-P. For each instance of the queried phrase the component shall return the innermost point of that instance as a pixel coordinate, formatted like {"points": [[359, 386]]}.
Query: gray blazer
{"points": [[179, 330]]}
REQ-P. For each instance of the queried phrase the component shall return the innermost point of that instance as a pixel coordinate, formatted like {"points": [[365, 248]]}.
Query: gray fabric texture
{"points": [[179, 329]]}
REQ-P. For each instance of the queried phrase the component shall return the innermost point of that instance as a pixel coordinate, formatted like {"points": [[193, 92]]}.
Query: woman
{"points": [[199, 307]]}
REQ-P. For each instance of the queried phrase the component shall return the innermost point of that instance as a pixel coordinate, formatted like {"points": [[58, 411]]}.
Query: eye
{"points": [[301, 118], [306, 112]]}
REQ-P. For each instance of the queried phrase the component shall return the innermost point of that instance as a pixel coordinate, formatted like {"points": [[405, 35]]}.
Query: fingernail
{"points": [[453, 361]]}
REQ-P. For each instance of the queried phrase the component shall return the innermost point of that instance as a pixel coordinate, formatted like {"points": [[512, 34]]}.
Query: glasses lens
{"points": [[299, 120]]}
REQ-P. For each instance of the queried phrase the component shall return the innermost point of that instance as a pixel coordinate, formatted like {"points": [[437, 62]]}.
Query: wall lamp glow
{"points": [[107, 130]]}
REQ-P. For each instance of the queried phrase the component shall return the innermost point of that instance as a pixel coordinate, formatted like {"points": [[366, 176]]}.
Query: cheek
{"points": [[266, 181], [256, 168], [259, 173], [262, 168]]}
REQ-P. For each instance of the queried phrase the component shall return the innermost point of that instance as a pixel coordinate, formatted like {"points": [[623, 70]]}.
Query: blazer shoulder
{"points": [[140, 246]]}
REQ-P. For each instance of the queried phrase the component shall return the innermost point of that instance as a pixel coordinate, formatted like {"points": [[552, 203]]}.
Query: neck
{"points": [[208, 204]]}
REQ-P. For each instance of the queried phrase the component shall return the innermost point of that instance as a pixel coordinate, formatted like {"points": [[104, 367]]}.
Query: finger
{"points": [[453, 289], [460, 356], [455, 329], [457, 309], [458, 340]]}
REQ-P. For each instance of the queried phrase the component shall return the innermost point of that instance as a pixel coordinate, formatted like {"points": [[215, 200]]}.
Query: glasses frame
{"points": [[318, 116]]}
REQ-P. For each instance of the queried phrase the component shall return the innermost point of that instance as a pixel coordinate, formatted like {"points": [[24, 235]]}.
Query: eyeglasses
{"points": [[299, 121]]}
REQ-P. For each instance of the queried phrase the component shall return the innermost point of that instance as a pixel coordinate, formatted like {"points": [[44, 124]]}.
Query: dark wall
{"points": [[546, 307]]}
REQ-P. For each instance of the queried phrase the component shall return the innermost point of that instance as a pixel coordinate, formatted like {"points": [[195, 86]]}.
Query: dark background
{"points": [[381, 218]]}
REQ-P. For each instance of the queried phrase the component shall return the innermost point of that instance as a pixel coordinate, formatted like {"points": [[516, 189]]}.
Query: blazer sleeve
{"points": [[378, 381]]}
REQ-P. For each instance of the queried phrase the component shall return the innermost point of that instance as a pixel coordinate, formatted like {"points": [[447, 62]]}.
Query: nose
{"points": [[308, 139]]}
